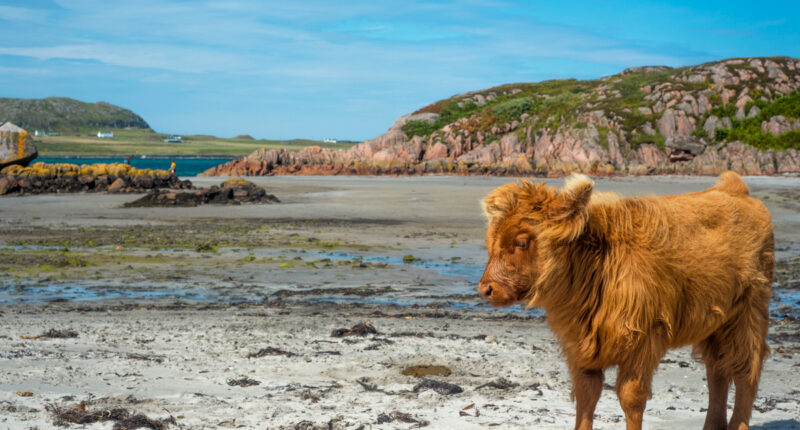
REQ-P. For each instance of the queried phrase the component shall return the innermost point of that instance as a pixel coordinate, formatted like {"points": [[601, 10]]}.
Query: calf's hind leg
{"points": [[747, 375], [718, 384], [736, 351]]}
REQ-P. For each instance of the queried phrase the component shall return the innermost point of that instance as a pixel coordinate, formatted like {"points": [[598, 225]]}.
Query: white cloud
{"points": [[17, 71], [11, 13], [178, 59]]}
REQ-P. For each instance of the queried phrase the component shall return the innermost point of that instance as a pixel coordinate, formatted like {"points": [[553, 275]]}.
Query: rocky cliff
{"points": [[61, 114], [741, 114]]}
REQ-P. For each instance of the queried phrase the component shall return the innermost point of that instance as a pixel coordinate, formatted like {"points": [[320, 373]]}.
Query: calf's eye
{"points": [[521, 243]]}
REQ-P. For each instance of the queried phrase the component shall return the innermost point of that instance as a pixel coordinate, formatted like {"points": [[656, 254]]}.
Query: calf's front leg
{"points": [[587, 384], [633, 390]]}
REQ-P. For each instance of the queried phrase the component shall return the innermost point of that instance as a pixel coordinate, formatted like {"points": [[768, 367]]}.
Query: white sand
{"points": [[187, 354]]}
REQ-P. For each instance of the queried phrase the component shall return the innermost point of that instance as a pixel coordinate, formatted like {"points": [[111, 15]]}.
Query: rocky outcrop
{"points": [[648, 120], [235, 191], [16, 146], [779, 124], [42, 178]]}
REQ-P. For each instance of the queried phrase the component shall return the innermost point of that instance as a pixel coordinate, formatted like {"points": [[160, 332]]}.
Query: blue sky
{"points": [[347, 69]]}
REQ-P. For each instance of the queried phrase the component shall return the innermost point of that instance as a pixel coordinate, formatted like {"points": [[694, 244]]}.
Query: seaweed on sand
{"points": [[54, 334], [243, 382], [270, 350], [361, 329], [124, 419]]}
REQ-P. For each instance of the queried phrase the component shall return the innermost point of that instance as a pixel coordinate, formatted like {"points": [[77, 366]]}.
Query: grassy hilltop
{"points": [[633, 101], [65, 115]]}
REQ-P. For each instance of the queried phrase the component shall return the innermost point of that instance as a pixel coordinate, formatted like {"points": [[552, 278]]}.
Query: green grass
{"points": [[140, 141], [637, 139], [749, 130], [630, 85], [512, 109], [603, 133], [449, 113]]}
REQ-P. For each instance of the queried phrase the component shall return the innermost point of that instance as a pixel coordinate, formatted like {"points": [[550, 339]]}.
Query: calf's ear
{"points": [[567, 213], [500, 201]]}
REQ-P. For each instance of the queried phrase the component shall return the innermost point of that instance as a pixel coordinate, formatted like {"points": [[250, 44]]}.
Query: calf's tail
{"points": [[731, 183]]}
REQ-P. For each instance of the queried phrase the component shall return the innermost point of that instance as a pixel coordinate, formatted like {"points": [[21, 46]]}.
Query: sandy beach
{"points": [[224, 316]]}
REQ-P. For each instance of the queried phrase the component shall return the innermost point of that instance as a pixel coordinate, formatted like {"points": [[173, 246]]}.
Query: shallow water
{"points": [[456, 290], [468, 273]]}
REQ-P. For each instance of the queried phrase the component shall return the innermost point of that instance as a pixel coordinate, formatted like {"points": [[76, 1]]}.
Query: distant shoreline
{"points": [[139, 156]]}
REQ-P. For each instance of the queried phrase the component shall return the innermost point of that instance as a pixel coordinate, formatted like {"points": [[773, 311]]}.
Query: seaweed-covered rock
{"points": [[234, 191], [41, 178]]}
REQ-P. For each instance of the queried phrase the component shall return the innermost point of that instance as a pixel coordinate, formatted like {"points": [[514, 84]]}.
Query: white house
{"points": [[105, 134], [174, 139], [39, 133]]}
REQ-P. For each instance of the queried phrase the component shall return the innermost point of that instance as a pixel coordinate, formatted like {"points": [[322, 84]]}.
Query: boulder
{"points": [[117, 185], [649, 155], [143, 181], [437, 151], [712, 124], [16, 146], [776, 125], [7, 185], [689, 145], [675, 123]]}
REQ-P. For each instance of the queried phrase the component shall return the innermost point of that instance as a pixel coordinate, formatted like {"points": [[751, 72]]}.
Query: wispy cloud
{"points": [[368, 59], [21, 14], [24, 71]]}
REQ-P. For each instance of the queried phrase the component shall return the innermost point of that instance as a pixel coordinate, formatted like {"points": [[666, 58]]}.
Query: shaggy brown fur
{"points": [[624, 280]]}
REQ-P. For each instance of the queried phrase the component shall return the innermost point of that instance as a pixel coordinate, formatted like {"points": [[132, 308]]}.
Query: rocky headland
{"points": [[741, 114]]}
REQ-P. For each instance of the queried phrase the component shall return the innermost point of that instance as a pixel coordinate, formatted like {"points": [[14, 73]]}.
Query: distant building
{"points": [[105, 134], [329, 140], [41, 133], [173, 139]]}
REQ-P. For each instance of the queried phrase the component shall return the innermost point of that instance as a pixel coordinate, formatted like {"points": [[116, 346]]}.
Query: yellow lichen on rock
{"points": [[236, 183], [65, 169]]}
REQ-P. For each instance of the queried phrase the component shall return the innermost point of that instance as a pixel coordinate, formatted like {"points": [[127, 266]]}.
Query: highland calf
{"points": [[622, 280]]}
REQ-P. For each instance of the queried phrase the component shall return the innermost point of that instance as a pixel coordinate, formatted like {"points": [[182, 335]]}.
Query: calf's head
{"points": [[525, 220]]}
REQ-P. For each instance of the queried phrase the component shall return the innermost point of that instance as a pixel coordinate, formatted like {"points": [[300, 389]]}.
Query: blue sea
{"points": [[184, 166]]}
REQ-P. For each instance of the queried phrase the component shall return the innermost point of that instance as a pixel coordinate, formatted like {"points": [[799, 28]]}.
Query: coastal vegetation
{"points": [[749, 130], [622, 98]]}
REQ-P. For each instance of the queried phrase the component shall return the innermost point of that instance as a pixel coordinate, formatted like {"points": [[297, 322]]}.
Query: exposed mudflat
{"points": [[214, 316]]}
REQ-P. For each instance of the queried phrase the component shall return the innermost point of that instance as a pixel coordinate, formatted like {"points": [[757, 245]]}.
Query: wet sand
{"points": [[169, 302]]}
